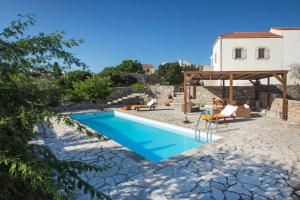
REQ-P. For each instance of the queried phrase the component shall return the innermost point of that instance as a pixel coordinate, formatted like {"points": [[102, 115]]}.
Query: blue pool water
{"points": [[150, 142]]}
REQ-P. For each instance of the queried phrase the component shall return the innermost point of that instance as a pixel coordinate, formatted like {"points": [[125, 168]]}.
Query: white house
{"points": [[182, 63], [277, 49]]}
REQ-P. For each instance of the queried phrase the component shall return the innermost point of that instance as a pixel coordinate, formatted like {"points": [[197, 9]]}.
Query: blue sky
{"points": [[151, 31]]}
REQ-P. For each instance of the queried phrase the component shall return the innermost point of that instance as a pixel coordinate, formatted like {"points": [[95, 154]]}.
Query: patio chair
{"points": [[228, 112], [149, 105]]}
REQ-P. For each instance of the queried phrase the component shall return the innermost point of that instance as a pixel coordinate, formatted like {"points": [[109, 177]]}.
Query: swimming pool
{"points": [[151, 139]]}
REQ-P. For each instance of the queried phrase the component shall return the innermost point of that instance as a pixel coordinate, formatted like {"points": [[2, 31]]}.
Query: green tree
{"points": [[92, 88], [30, 171], [56, 70], [130, 66], [68, 79], [172, 72], [121, 75]]}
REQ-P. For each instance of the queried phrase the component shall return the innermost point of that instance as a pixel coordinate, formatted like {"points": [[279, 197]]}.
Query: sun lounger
{"points": [[149, 105], [228, 112]]}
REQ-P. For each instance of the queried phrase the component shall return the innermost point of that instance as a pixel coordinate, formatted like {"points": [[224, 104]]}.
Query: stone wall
{"points": [[161, 92], [205, 94], [293, 91], [293, 109], [119, 92]]}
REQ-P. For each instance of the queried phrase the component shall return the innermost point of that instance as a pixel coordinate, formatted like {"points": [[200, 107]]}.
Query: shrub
{"points": [[91, 88], [139, 87], [67, 80]]}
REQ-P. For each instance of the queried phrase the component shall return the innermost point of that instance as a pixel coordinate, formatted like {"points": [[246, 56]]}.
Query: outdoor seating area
{"points": [[191, 79]]}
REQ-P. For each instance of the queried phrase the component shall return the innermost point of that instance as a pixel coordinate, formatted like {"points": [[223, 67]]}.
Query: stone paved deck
{"points": [[255, 159]]}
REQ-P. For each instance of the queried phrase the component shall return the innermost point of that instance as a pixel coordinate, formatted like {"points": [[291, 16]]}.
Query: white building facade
{"points": [[277, 49]]}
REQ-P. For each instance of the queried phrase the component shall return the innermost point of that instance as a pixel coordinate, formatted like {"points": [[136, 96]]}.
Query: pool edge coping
{"points": [[151, 166]]}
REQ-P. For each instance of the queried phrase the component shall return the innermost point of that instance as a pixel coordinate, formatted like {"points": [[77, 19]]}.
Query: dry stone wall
{"points": [[293, 109], [161, 92], [205, 94]]}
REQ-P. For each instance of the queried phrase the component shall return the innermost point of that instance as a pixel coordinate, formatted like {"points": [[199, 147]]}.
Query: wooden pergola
{"points": [[192, 77]]}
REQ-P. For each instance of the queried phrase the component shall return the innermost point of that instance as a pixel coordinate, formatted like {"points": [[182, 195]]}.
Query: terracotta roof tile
{"points": [[250, 35], [147, 66], [286, 28]]}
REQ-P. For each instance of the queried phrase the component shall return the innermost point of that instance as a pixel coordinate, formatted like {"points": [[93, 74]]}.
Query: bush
{"points": [[67, 80], [51, 92], [91, 88], [172, 73], [139, 87]]}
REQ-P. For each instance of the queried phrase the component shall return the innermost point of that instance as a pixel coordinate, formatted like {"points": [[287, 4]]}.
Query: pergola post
{"points": [[223, 89], [189, 92], [268, 94], [256, 90], [184, 94], [231, 89], [194, 90], [284, 107]]}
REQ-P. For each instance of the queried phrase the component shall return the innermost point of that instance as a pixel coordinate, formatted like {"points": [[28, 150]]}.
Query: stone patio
{"points": [[256, 158]]}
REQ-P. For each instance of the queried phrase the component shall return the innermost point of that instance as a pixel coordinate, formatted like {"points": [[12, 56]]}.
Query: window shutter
{"points": [[244, 53], [256, 53], [267, 53], [233, 53]]}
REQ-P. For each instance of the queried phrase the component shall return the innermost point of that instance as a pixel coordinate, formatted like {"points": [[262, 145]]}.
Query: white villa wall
{"points": [[216, 56], [251, 63], [291, 49]]}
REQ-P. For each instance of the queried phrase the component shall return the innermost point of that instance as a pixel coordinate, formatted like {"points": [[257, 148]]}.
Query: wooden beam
{"points": [[253, 83], [221, 77], [256, 90], [185, 94], [194, 91], [280, 79], [284, 103], [223, 89], [231, 89], [268, 94], [189, 93], [249, 76]]}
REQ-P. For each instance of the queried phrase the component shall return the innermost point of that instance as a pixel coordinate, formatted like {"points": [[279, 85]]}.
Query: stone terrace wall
{"points": [[119, 92], [293, 108], [241, 94], [161, 92]]}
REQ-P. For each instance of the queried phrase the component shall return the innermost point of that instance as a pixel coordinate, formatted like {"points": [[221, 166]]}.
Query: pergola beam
{"points": [[280, 75], [280, 79]]}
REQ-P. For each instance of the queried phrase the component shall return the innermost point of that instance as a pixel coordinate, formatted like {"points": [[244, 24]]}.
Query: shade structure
{"points": [[252, 76]]}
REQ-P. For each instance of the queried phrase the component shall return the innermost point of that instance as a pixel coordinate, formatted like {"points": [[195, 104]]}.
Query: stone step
{"points": [[175, 104], [178, 97]]}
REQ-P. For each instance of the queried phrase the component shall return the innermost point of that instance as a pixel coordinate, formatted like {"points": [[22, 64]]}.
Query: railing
{"points": [[207, 128]]}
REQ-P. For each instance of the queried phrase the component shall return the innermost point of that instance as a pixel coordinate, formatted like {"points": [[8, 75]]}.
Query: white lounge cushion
{"points": [[229, 110], [150, 103]]}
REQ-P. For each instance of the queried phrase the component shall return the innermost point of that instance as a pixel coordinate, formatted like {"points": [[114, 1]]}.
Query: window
{"points": [[238, 53], [261, 53], [147, 70]]}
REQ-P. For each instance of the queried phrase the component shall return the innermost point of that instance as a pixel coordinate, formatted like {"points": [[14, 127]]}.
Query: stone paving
{"points": [[255, 159]]}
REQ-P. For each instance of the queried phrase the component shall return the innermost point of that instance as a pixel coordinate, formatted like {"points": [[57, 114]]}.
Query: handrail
{"points": [[207, 127]]}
